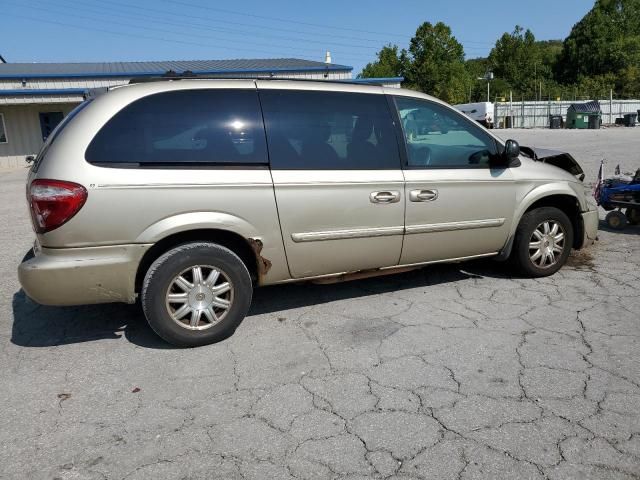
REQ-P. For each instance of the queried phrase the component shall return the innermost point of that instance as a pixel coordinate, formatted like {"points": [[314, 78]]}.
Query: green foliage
{"points": [[514, 58], [436, 63], [602, 53], [522, 63], [596, 86], [606, 40], [390, 63], [628, 84]]}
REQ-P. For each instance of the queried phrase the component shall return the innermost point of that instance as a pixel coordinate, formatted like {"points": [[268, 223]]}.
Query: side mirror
{"points": [[511, 150], [30, 159]]}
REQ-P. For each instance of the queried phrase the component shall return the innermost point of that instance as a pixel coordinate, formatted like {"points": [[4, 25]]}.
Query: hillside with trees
{"points": [[601, 53]]}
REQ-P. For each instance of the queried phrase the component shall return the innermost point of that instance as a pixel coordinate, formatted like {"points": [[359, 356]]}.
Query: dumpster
{"points": [[555, 122], [630, 119], [584, 115]]}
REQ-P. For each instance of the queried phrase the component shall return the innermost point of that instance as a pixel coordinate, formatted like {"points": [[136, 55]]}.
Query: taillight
{"points": [[54, 202]]}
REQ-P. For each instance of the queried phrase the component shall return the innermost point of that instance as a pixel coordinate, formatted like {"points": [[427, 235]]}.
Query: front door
{"points": [[337, 179], [457, 205]]}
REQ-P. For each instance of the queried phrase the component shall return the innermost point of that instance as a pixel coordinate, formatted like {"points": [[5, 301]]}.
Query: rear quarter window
{"points": [[56, 132], [184, 127]]}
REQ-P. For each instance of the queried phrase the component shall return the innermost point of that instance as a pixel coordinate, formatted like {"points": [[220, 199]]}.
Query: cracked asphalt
{"points": [[450, 372]]}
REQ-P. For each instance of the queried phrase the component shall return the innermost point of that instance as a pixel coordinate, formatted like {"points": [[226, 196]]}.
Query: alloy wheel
{"points": [[199, 297], [547, 244]]}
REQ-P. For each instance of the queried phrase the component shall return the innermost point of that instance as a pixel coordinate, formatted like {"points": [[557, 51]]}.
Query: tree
{"points": [[606, 40], [522, 62], [390, 63], [436, 63], [628, 82]]}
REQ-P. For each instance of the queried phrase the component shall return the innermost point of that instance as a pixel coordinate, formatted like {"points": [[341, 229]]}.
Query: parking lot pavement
{"points": [[449, 372]]}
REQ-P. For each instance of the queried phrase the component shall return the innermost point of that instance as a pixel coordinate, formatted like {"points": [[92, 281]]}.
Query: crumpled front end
{"points": [[556, 158]]}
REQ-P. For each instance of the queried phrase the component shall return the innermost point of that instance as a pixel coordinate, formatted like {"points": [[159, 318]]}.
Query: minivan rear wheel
{"points": [[196, 294], [543, 241]]}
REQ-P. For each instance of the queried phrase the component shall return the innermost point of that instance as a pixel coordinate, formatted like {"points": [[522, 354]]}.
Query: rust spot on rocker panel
{"points": [[263, 264]]}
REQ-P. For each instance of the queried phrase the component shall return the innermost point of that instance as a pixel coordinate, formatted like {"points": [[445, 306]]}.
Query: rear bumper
{"points": [[78, 276], [590, 221]]}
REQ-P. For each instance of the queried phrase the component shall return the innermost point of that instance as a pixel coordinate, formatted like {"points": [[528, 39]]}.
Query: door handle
{"points": [[384, 197], [423, 195]]}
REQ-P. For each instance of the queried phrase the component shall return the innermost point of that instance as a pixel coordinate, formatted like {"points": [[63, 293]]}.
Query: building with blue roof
{"points": [[35, 97]]}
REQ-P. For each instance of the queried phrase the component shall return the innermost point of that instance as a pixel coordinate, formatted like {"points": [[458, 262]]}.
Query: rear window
{"points": [[184, 127]]}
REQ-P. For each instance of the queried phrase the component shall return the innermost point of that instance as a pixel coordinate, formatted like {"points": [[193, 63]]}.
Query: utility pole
{"points": [[535, 80], [488, 77], [511, 108], [611, 107]]}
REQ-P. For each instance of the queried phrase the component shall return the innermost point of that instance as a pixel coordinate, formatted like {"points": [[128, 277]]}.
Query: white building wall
{"points": [[38, 99], [24, 136]]}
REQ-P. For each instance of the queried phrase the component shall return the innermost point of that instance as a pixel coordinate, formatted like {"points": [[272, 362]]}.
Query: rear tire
{"points": [[196, 294], [543, 242]]}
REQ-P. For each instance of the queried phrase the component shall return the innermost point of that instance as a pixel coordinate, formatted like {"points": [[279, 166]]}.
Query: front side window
{"points": [[437, 137], [329, 130], [3, 131], [182, 127]]}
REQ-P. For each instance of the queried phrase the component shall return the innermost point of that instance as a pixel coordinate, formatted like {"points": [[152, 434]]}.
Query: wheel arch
{"points": [[565, 201], [560, 196], [570, 206], [248, 249]]}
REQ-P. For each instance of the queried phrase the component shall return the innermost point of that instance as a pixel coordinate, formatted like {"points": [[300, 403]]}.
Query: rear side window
{"points": [[57, 130], [329, 130], [184, 127]]}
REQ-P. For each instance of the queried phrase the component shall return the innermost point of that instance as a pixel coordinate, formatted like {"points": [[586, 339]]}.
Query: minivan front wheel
{"points": [[196, 294], [543, 241]]}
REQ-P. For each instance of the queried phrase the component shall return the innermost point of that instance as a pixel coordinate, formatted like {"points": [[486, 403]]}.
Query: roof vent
{"points": [[327, 57]]}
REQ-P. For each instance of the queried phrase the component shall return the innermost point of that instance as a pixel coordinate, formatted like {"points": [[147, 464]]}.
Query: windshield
{"points": [[56, 131]]}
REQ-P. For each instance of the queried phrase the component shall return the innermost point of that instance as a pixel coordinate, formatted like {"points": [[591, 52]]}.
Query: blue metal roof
{"points": [[144, 69], [44, 91], [377, 80]]}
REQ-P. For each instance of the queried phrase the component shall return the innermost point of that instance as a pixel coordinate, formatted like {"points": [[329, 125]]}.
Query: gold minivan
{"points": [[189, 193]]}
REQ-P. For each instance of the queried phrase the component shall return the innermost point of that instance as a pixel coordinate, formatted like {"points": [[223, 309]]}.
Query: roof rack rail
{"points": [[189, 75]]}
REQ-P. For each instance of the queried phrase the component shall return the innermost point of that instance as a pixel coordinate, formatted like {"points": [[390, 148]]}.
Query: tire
{"points": [[524, 254], [616, 220], [218, 308], [633, 216]]}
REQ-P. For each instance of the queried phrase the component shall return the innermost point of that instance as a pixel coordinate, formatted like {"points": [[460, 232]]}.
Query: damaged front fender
{"points": [[556, 158]]}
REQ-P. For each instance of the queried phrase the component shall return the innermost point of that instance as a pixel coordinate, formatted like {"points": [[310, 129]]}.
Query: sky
{"points": [[352, 30]]}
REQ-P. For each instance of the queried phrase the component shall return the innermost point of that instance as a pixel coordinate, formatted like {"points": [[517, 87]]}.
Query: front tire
{"points": [[543, 242], [196, 294]]}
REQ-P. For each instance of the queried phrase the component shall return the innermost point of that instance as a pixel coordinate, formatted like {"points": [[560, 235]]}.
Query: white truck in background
{"points": [[481, 112]]}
